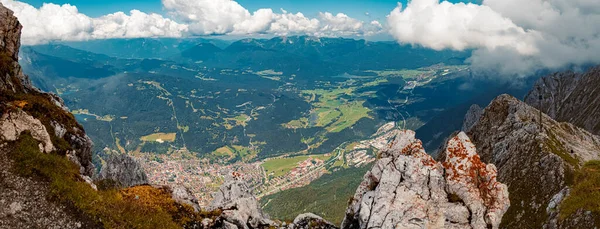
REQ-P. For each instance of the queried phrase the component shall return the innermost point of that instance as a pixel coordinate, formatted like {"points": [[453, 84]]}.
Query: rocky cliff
{"points": [[124, 170], [570, 97], [24, 108], [536, 158], [406, 188], [472, 116]]}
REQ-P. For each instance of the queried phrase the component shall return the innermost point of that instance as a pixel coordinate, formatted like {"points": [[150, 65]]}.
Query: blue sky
{"points": [[355, 8]]}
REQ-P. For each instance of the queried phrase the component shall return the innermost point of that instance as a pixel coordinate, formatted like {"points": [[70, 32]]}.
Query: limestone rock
{"points": [[240, 207], [475, 183], [124, 170], [11, 75], [406, 188], [311, 221], [183, 195], [472, 116], [82, 146], [14, 123], [10, 31]]}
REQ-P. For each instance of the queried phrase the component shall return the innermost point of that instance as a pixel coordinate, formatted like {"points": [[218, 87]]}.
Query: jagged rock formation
{"points": [[570, 97], [124, 170], [11, 76], [406, 188], [183, 195], [311, 221], [535, 158], [472, 116], [239, 206]]}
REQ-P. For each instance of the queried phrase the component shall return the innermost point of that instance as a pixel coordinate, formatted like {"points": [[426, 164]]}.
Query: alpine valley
{"points": [[288, 132]]}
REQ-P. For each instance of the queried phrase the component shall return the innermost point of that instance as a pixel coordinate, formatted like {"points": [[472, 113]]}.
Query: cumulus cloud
{"points": [[208, 17], [136, 24], [50, 22], [511, 37], [53, 22]]}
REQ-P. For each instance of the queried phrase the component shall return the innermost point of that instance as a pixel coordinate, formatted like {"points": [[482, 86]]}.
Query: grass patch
{"points": [[245, 153], [281, 166], [168, 137], [224, 151], [333, 109], [327, 116], [240, 120], [295, 124], [351, 113], [112, 208], [556, 147], [585, 193]]}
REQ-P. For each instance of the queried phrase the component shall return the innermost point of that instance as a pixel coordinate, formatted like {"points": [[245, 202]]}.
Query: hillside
{"points": [[572, 97], [536, 159]]}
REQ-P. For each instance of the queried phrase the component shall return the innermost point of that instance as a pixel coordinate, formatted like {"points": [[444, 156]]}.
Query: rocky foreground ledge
{"points": [[407, 188]]}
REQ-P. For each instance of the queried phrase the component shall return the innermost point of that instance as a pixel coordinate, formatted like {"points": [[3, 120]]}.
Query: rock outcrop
{"points": [[239, 206], [124, 170], [534, 157], [11, 76], [14, 123], [183, 195], [311, 221], [569, 97], [472, 116], [406, 188]]}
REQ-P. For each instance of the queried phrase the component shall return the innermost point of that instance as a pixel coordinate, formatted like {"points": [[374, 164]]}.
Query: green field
{"points": [[350, 114], [281, 166], [244, 153], [240, 120], [332, 108], [168, 137], [224, 151], [230, 152]]}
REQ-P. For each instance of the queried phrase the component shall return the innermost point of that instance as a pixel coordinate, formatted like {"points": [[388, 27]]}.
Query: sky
{"points": [[377, 9], [507, 37]]}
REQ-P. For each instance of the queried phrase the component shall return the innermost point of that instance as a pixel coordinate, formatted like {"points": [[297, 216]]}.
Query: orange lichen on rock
{"points": [[20, 103], [464, 165]]}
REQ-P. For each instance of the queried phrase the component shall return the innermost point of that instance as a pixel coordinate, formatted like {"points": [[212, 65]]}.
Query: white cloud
{"points": [[288, 23], [511, 37], [50, 22], [53, 22], [207, 17], [136, 24], [339, 24]]}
